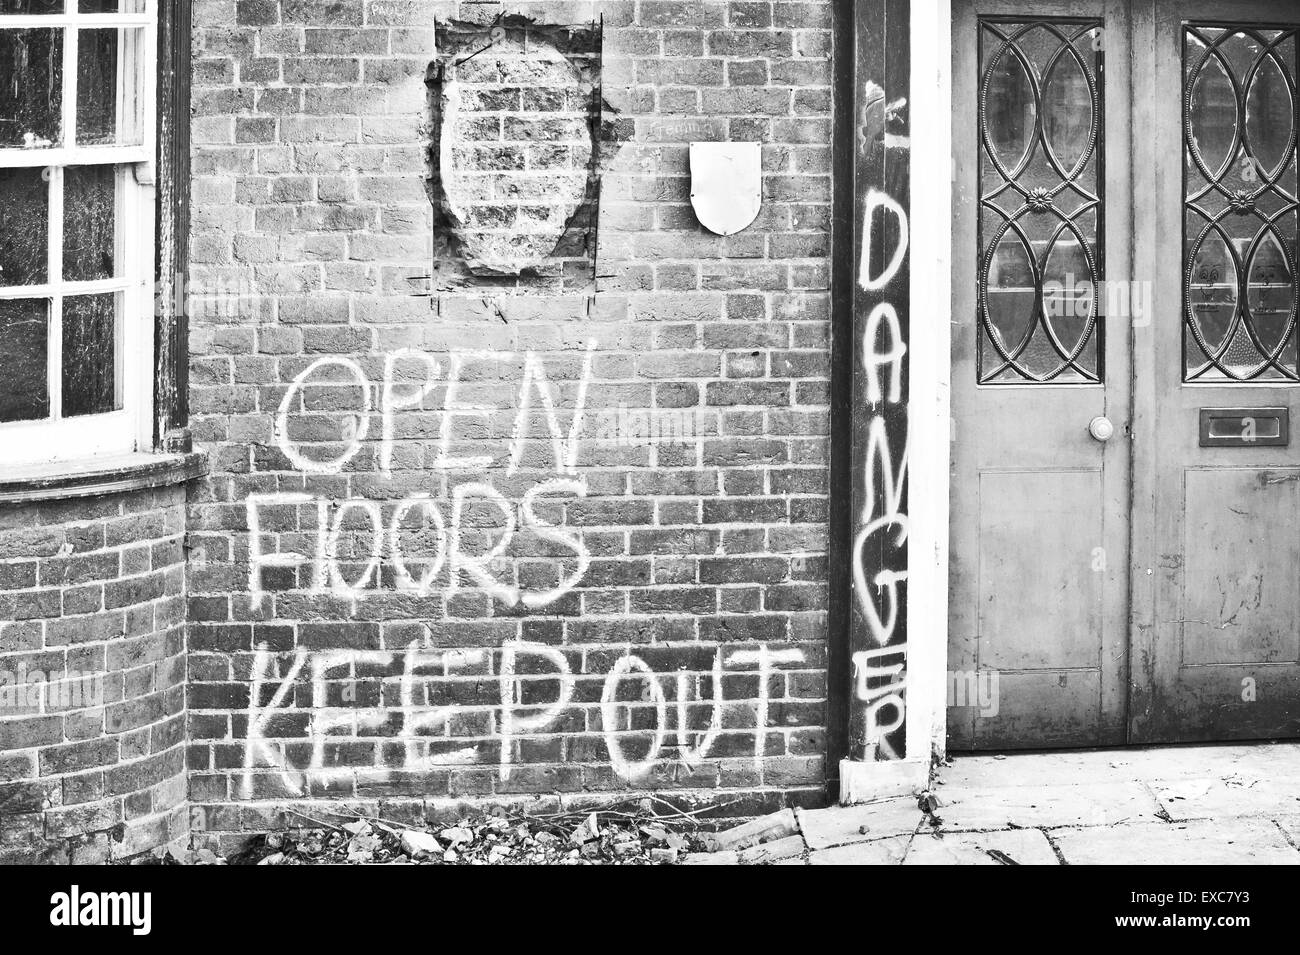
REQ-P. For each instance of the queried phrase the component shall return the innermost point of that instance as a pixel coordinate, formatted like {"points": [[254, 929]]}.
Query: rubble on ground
{"points": [[639, 833]]}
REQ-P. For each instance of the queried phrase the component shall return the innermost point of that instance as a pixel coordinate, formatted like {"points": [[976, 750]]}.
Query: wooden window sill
{"points": [[94, 477]]}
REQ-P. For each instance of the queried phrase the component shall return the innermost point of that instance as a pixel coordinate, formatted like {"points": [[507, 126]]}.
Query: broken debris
{"points": [[644, 831], [777, 825]]}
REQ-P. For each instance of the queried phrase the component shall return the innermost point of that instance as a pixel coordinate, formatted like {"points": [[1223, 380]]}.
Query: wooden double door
{"points": [[1125, 487]]}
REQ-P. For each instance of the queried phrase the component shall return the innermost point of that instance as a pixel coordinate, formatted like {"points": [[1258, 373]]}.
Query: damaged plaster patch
{"points": [[518, 125], [514, 171]]}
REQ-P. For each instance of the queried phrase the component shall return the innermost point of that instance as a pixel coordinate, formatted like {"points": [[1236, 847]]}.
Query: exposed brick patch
{"points": [[518, 130]]}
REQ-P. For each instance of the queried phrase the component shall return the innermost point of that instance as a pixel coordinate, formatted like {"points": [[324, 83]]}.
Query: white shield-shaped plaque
{"points": [[726, 185]]}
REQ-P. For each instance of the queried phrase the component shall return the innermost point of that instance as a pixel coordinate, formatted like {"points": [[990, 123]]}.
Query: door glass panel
{"points": [[1041, 176], [1239, 213]]}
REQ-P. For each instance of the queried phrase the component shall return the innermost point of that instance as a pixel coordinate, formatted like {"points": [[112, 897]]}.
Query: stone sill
{"points": [[95, 477]]}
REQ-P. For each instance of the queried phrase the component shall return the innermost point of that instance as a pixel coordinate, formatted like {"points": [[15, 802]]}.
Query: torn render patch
{"points": [[518, 125], [514, 160]]}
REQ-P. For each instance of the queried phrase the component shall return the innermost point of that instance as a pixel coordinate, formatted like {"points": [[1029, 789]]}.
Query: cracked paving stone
{"points": [[1211, 842], [842, 825], [1290, 825], [1047, 807], [1023, 846], [1228, 797], [881, 852]]}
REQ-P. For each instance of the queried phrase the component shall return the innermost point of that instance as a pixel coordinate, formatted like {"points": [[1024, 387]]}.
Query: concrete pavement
{"points": [[1178, 805]]}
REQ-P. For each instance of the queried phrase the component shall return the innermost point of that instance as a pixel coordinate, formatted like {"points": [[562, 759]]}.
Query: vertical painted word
{"points": [[880, 387]]}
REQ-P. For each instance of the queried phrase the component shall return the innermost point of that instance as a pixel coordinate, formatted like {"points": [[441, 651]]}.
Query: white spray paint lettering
{"points": [[880, 670], [464, 564], [536, 689]]}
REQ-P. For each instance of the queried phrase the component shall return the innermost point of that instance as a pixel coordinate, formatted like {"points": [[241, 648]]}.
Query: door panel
{"points": [[1018, 627], [1240, 586], [1038, 578], [1215, 623], [1041, 709]]}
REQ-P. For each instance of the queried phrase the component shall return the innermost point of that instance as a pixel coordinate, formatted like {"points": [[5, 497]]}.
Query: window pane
{"points": [[90, 355], [24, 227], [31, 84], [111, 6], [89, 222], [24, 360], [1041, 182], [97, 87], [21, 7]]}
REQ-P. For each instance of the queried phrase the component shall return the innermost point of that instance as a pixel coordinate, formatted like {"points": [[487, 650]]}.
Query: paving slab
{"points": [[1290, 826], [1021, 846], [1259, 760], [1033, 769], [881, 852], [1183, 804], [1046, 807], [1210, 842], [1226, 798], [842, 825], [775, 851]]}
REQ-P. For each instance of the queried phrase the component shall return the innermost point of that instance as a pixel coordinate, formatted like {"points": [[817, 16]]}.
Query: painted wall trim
{"points": [[931, 370], [928, 374], [171, 268]]}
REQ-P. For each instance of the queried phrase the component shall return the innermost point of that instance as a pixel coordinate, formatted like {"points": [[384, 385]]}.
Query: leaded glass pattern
{"points": [[1240, 208], [1041, 179]]}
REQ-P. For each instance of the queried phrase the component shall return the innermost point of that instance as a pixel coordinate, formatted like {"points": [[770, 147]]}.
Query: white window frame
{"points": [[129, 429]]}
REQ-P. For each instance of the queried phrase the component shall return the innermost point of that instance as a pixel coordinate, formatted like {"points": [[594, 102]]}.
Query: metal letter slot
{"points": [[1245, 427]]}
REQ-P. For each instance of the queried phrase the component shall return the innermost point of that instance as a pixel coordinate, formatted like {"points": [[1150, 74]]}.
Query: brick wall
{"points": [[482, 538], [92, 673]]}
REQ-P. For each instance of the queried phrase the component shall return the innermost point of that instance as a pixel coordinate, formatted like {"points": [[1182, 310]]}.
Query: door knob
{"points": [[1101, 428]]}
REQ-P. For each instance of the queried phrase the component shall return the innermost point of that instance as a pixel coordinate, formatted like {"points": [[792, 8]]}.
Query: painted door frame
{"points": [[926, 299]]}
